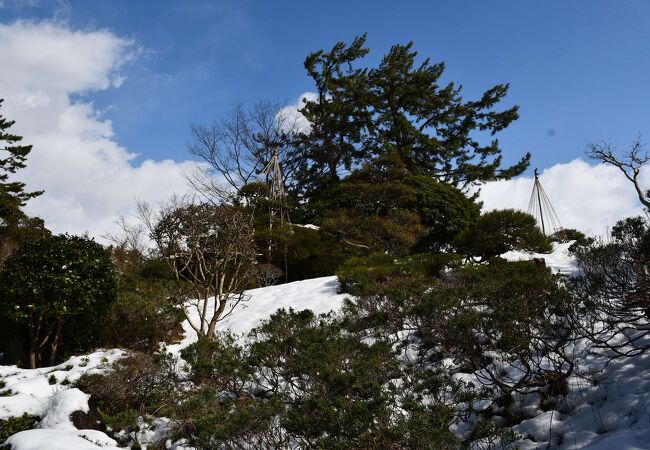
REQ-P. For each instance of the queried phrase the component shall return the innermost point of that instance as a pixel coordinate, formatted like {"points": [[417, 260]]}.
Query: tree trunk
{"points": [[33, 346], [55, 343], [35, 324], [331, 166]]}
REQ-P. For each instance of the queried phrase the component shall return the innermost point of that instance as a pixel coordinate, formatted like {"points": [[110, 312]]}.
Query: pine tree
{"points": [[338, 116], [398, 111], [12, 193], [15, 225]]}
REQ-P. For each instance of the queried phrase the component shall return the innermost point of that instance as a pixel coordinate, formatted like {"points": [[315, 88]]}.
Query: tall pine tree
{"points": [[337, 117], [399, 113], [14, 223]]}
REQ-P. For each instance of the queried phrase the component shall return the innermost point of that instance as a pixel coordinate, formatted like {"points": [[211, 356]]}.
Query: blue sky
{"points": [[578, 70], [94, 83]]}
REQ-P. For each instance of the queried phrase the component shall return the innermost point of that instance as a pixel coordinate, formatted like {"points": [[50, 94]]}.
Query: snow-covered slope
{"points": [[318, 294], [608, 404], [44, 392], [612, 411], [31, 389]]}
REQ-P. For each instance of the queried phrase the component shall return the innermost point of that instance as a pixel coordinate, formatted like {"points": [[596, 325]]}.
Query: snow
{"points": [[58, 440], [612, 412], [607, 407], [309, 225], [558, 260], [32, 389], [608, 404], [318, 294], [45, 393], [57, 412]]}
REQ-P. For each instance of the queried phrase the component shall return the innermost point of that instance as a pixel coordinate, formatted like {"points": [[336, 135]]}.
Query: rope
{"points": [[541, 208]]}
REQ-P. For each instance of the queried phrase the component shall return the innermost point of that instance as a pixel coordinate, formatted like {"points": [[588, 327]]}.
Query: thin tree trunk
{"points": [[33, 346], [55, 343]]}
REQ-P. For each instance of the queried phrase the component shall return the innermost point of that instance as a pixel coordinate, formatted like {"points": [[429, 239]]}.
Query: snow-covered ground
{"points": [[318, 294], [44, 392], [610, 412], [558, 260]]}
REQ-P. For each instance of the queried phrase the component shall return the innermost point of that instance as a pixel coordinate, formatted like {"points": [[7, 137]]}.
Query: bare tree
{"points": [[210, 250], [630, 164], [130, 236], [237, 147], [267, 274]]}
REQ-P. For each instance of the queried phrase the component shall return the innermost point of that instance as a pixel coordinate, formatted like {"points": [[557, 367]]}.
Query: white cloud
{"points": [[88, 177], [290, 117], [588, 197]]}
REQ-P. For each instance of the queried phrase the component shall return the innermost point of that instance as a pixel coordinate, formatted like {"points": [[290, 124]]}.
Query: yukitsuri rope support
{"points": [[541, 208]]}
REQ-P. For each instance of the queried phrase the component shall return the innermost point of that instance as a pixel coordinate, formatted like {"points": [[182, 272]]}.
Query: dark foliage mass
{"points": [[297, 381], [48, 281], [15, 425], [384, 163], [516, 311], [500, 231], [397, 115], [144, 313], [345, 381], [139, 384]]}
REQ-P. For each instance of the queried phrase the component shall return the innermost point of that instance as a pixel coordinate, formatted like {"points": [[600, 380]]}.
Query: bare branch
{"points": [[630, 164], [238, 146]]}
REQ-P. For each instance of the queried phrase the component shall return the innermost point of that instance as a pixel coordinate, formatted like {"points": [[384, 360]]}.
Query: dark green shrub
{"points": [[301, 253], [137, 385], [370, 211], [141, 320], [444, 210], [332, 383], [143, 315], [500, 231], [371, 274], [487, 434], [396, 233], [569, 234], [516, 311], [314, 385], [383, 286], [244, 422], [219, 363], [48, 281], [613, 287], [13, 425]]}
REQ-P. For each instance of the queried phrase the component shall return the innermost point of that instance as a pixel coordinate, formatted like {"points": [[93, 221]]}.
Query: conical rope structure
{"points": [[274, 179], [541, 208]]}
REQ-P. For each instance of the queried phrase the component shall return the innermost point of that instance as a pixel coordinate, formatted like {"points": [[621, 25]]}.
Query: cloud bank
{"points": [[88, 177], [588, 197], [290, 117]]}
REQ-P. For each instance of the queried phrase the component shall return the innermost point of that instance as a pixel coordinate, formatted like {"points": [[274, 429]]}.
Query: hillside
{"points": [[609, 411]]}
